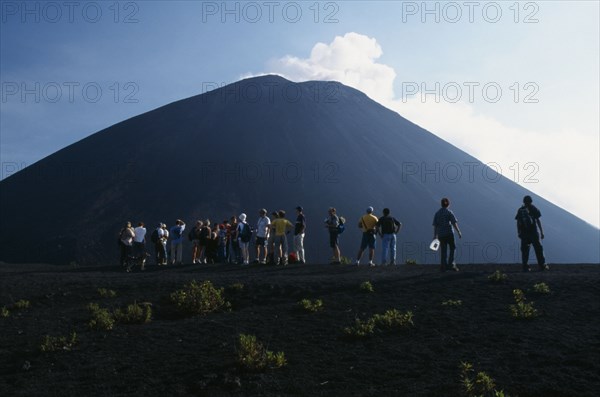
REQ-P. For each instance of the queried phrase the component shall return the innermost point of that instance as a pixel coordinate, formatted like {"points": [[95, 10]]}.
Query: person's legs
{"points": [[180, 252], [299, 246], [385, 246], [173, 252], [371, 239], [443, 252], [525, 252], [284, 247], [392, 249], [452, 249], [364, 243], [539, 252]]}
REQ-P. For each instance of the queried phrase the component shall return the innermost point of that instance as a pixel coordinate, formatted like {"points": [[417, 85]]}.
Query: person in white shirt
{"points": [[262, 234], [139, 243]]}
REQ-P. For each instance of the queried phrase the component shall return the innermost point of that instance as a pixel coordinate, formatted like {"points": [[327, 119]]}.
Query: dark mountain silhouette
{"points": [[268, 142]]}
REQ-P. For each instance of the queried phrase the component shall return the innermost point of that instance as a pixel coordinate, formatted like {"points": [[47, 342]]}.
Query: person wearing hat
{"points": [[262, 234], [528, 222], [368, 224], [299, 229]]}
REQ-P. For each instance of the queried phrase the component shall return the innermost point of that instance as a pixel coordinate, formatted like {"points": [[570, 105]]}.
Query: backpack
{"points": [[154, 236], [341, 225], [524, 220], [246, 233]]}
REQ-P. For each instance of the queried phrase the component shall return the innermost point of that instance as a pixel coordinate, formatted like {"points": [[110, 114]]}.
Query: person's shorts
{"points": [[368, 240], [333, 239], [261, 241], [196, 243]]}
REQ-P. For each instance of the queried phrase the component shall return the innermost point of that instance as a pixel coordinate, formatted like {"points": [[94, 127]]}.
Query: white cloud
{"points": [[567, 161]]}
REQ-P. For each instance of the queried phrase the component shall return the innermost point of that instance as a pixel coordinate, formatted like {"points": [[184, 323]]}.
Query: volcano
{"points": [[267, 142]]}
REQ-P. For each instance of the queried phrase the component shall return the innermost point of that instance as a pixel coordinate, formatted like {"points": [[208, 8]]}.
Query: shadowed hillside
{"points": [[267, 142]]}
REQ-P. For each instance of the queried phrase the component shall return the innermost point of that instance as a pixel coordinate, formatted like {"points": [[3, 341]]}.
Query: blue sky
{"points": [[145, 54]]}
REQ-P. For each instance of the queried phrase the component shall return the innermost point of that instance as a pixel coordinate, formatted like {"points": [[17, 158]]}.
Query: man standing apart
{"points": [[262, 234], [299, 230], [388, 227], [177, 242], [443, 222], [528, 221], [331, 223], [368, 225]]}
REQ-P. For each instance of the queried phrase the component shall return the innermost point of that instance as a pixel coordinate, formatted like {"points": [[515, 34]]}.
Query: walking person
{"points": [[444, 222], [263, 226], [299, 230], [528, 222], [388, 227], [368, 224], [282, 228], [176, 233], [332, 223]]}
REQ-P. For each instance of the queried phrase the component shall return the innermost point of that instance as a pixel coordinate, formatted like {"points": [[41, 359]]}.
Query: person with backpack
{"points": [[299, 230], [528, 222], [244, 235], [176, 233], [388, 227], [263, 225], [159, 249], [335, 227], [125, 242], [443, 223], [368, 224], [194, 237], [282, 228]]}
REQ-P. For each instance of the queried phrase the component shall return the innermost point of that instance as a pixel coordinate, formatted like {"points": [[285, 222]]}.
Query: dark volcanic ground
{"points": [[556, 354]]}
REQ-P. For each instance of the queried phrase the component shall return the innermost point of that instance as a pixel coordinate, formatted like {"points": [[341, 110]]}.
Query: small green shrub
{"points": [[497, 277], [237, 287], [311, 306], [541, 288], [134, 314], [522, 309], [203, 298], [344, 260], [4, 312], [482, 385], [101, 319], [391, 319], [107, 293], [411, 261], [253, 356], [54, 343], [366, 286], [21, 304], [451, 302]]}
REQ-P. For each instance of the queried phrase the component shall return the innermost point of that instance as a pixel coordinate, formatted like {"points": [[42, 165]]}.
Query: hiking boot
{"points": [[453, 268], [371, 264], [526, 268], [544, 267]]}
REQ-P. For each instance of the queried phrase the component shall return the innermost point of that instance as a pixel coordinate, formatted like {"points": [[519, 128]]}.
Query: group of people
{"points": [[229, 241]]}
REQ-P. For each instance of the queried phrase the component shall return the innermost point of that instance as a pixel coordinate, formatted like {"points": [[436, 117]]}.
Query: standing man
{"points": [[299, 230], [368, 225], [125, 242], [177, 242], [282, 227], [156, 239], [262, 234], [528, 221], [194, 237], [388, 227], [139, 244], [443, 223], [331, 223]]}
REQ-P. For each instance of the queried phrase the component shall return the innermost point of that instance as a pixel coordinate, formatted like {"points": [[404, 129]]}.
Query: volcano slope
{"points": [[457, 317]]}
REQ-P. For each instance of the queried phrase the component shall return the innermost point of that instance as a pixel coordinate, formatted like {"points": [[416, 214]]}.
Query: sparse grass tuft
{"points": [[391, 319], [541, 288], [411, 261], [107, 293], [311, 306], [451, 302], [482, 385], [237, 287], [253, 356], [134, 314], [54, 343], [521, 309], [4, 312], [101, 318], [203, 298], [366, 287], [21, 304], [497, 277]]}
